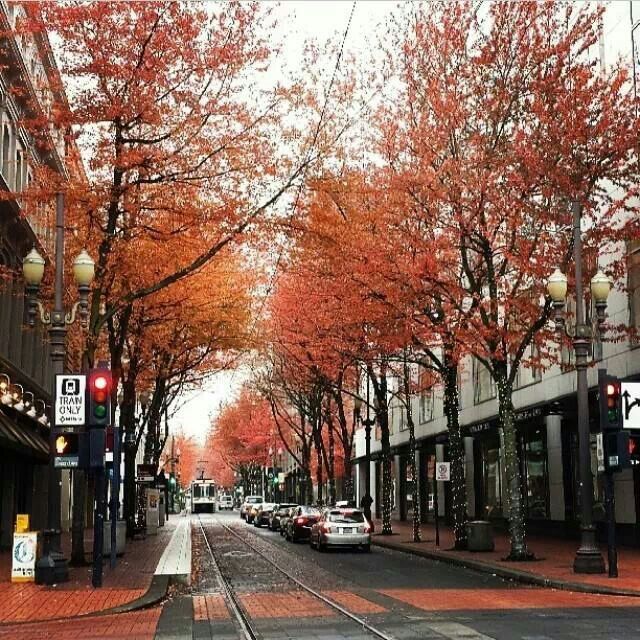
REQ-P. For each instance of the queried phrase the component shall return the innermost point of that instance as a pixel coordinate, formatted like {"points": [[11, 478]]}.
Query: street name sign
{"points": [[443, 471], [70, 401], [630, 405]]}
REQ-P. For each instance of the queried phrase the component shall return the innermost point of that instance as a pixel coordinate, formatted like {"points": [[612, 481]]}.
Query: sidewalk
{"points": [[130, 580], [553, 566]]}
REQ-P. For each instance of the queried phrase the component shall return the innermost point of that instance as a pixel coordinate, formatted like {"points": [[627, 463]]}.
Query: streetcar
{"points": [[203, 496]]}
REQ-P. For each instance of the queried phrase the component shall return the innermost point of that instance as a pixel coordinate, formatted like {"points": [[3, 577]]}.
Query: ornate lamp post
{"points": [[367, 423], [588, 557], [52, 567]]}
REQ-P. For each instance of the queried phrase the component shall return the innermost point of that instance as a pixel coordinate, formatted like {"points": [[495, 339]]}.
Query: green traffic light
{"points": [[100, 411]]}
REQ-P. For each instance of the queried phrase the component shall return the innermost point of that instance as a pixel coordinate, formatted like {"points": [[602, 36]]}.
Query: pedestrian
{"points": [[365, 504]]}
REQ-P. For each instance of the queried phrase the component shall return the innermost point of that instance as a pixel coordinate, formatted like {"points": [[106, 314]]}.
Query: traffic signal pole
{"points": [[610, 506]]}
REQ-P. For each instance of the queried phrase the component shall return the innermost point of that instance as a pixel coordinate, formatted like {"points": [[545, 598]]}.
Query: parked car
{"points": [[248, 504], [225, 503], [341, 528], [263, 514], [300, 521], [279, 512], [284, 519]]}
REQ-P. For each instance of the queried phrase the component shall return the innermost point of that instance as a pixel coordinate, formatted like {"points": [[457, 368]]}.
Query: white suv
{"points": [[225, 502], [249, 503]]}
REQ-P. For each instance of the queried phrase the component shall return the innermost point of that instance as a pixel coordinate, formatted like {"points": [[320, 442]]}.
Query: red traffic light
{"points": [[100, 383]]}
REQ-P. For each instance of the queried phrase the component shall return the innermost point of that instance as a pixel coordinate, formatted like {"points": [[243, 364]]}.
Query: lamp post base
{"points": [[588, 557], [52, 567]]}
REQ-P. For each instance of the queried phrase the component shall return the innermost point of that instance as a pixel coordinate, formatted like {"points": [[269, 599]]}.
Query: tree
{"points": [[510, 120]]}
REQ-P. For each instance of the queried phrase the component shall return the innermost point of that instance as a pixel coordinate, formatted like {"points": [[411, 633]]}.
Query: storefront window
{"points": [[535, 449], [492, 479]]}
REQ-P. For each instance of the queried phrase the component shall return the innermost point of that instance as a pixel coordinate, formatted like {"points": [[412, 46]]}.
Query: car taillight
{"points": [[301, 520], [367, 528], [326, 528]]}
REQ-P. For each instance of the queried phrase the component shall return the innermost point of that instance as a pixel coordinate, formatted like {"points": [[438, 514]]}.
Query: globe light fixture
{"points": [[33, 268], [83, 269]]}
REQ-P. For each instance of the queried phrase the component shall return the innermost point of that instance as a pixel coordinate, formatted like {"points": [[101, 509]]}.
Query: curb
{"points": [[514, 575], [156, 592]]}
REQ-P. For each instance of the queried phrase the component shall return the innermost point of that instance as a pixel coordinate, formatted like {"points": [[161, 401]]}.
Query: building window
{"points": [[633, 285], [402, 416], [425, 405], [19, 170], [535, 460], [484, 387], [6, 154], [491, 478], [425, 397]]}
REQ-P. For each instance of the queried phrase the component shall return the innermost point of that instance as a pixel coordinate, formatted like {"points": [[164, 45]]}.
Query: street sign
{"points": [[146, 473], [281, 477], [70, 401], [443, 471], [600, 452], [631, 405]]}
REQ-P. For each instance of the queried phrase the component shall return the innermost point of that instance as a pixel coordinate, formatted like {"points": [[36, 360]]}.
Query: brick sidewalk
{"points": [[554, 558], [131, 578]]}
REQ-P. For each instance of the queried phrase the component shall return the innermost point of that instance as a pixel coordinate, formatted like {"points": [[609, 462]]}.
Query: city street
{"points": [[399, 595]]}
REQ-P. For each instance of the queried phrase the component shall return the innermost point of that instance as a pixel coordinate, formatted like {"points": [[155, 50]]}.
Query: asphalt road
{"points": [[405, 596], [455, 596]]}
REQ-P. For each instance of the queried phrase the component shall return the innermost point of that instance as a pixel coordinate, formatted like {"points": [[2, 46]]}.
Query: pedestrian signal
{"points": [[66, 450]]}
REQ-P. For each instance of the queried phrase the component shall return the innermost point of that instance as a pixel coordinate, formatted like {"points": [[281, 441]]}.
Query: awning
{"points": [[22, 438]]}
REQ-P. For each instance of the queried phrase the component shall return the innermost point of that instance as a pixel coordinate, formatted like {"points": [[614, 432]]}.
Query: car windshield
{"points": [[346, 516], [310, 511], [268, 506], [253, 500], [284, 507]]}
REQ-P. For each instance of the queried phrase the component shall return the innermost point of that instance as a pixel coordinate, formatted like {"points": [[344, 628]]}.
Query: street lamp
{"points": [[588, 557], [52, 567], [367, 423]]}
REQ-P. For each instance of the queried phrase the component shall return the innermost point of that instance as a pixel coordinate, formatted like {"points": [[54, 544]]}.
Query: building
{"points": [[27, 73], [546, 405]]}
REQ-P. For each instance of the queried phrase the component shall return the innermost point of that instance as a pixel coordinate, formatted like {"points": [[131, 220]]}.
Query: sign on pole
{"points": [[70, 401], [631, 405], [443, 471]]}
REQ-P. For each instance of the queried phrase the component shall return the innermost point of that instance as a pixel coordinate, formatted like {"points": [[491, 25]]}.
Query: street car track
{"points": [[235, 605]]}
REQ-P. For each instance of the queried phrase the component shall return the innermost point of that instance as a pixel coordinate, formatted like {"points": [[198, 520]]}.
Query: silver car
{"points": [[341, 528]]}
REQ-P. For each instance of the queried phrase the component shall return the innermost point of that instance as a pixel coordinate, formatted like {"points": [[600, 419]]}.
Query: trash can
{"points": [[121, 534], [480, 536]]}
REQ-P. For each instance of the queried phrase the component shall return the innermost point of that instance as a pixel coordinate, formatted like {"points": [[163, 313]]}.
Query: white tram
{"points": [[203, 496]]}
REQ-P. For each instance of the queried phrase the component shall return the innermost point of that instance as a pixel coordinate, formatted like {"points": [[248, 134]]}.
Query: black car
{"points": [[300, 521], [279, 511]]}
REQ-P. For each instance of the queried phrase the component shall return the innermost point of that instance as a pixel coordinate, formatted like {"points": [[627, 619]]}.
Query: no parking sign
{"points": [[443, 471]]}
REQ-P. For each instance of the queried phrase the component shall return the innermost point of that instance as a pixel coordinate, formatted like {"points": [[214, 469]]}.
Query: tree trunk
{"points": [[319, 475], [456, 453], [415, 491], [387, 478], [331, 471], [519, 550]]}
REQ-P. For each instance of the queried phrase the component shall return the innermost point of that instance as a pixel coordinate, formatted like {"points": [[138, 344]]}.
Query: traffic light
{"points": [[617, 450], [99, 389], [610, 397], [172, 482]]}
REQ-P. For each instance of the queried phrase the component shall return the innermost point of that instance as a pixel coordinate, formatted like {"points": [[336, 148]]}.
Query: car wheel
{"points": [[366, 548], [321, 547]]}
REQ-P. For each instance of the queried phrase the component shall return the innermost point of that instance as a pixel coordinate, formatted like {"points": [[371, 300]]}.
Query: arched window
{"points": [[6, 152], [19, 170]]}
